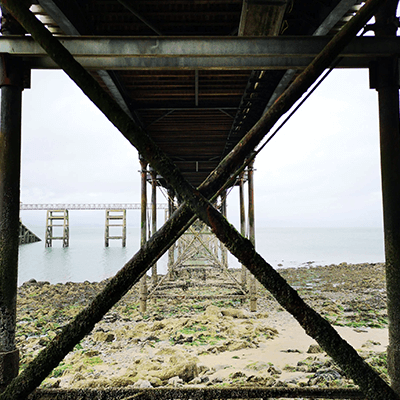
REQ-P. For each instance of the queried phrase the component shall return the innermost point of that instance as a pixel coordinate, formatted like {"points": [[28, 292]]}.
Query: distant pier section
{"points": [[26, 235], [76, 206], [57, 220]]}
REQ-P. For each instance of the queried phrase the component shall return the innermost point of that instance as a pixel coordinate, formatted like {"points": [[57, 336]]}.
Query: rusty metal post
{"points": [[386, 81], [143, 231], [224, 252], [242, 223], [171, 250], [153, 219], [11, 82], [252, 233]]}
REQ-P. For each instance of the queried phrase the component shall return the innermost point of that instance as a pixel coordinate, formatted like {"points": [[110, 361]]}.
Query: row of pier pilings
{"points": [[57, 227], [248, 283]]}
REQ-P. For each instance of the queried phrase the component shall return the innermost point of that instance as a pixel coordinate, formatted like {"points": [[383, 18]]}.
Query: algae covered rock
{"points": [[235, 313], [186, 370]]}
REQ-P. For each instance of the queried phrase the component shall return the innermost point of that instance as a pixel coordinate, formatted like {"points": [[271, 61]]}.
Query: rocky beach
{"points": [[216, 343]]}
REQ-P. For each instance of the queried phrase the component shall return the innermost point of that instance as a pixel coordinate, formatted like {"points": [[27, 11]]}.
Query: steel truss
{"points": [[195, 202]]}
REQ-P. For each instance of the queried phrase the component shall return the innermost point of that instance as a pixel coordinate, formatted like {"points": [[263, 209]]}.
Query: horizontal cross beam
{"points": [[127, 53]]}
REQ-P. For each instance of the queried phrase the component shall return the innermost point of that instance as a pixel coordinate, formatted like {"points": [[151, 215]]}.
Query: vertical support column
{"points": [[153, 219], [107, 229], [242, 223], [224, 253], [215, 245], [143, 233], [66, 229], [10, 166], [387, 85], [252, 234], [49, 230], [124, 228], [171, 250]]}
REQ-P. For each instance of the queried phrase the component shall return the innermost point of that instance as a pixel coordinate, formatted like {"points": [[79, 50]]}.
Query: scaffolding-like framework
{"points": [[181, 176], [56, 221]]}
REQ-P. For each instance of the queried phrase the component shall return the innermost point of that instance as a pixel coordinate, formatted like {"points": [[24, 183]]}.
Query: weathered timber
{"points": [[387, 85], [372, 385], [62, 217], [115, 218], [196, 394]]}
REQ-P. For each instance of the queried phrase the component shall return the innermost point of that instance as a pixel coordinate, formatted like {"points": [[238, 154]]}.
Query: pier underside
{"points": [[197, 122]]}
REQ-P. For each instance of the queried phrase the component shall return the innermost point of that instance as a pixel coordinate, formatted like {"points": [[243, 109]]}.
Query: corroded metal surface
{"points": [[347, 358], [388, 95], [10, 160], [153, 219], [143, 231]]}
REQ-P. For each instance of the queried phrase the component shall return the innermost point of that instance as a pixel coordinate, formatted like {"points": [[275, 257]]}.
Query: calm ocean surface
{"points": [[88, 259]]}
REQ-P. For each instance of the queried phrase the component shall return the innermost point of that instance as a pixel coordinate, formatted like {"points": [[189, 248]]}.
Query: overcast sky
{"points": [[322, 169]]}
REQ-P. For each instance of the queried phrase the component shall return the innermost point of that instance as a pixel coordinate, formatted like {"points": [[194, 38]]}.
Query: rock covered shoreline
{"points": [[209, 343]]}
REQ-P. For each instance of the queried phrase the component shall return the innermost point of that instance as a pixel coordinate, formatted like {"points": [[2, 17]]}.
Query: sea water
{"points": [[87, 258]]}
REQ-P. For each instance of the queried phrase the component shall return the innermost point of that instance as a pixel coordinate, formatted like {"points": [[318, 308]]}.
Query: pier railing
{"points": [[94, 206]]}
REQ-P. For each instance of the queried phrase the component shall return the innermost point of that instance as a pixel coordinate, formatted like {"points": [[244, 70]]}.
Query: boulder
{"points": [[143, 384], [235, 313], [213, 313], [186, 370], [103, 337], [314, 349]]}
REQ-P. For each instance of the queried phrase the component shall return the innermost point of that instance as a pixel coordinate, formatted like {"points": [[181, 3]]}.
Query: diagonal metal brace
{"points": [[315, 325]]}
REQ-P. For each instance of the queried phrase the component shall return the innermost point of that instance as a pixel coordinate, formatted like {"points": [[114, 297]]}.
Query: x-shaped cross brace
{"points": [[196, 204]]}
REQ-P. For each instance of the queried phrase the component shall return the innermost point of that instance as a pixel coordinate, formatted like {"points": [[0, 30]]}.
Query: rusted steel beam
{"points": [[11, 84], [242, 223], [373, 386], [225, 53], [387, 85], [153, 173], [171, 250], [252, 232], [143, 232], [224, 252]]}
